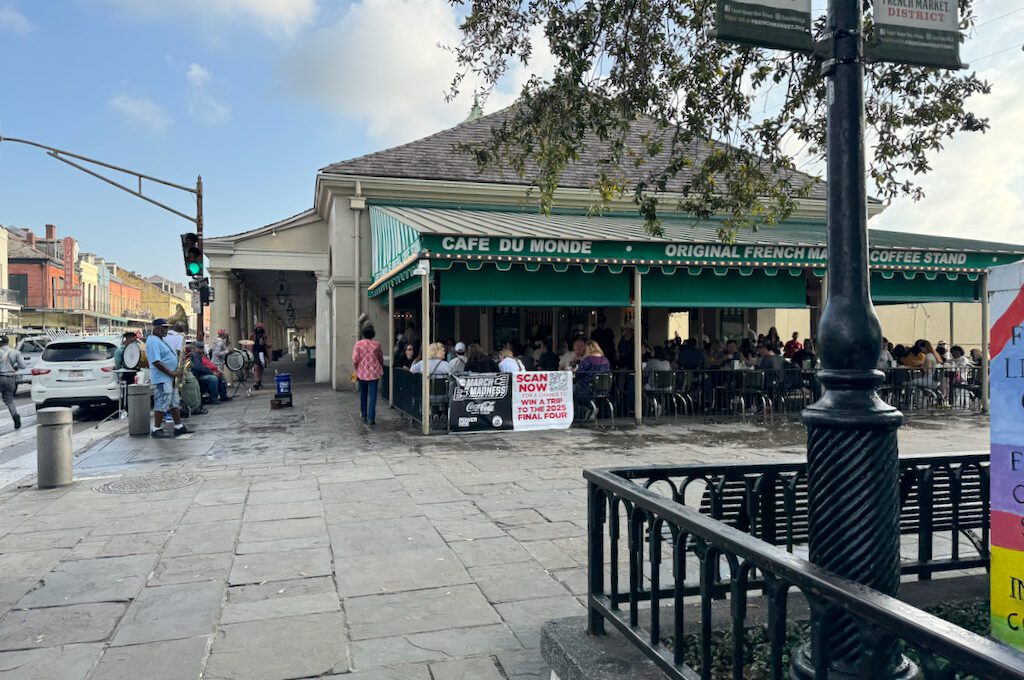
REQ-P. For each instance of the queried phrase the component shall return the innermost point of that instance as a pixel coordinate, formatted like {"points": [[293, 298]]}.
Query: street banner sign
{"points": [[919, 32], [781, 24], [542, 400], [534, 400], [480, 402], [70, 256], [1006, 286]]}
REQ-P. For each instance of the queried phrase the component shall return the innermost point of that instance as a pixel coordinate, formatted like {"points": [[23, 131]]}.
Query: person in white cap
{"points": [[458, 362]]}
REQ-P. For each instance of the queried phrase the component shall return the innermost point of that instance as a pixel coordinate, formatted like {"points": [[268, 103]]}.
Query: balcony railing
{"points": [[658, 535], [9, 296]]}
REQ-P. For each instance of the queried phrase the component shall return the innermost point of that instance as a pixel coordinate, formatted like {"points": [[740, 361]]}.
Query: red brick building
{"points": [[36, 271]]}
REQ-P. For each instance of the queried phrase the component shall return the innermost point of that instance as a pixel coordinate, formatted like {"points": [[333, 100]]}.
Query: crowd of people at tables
{"points": [[603, 352]]}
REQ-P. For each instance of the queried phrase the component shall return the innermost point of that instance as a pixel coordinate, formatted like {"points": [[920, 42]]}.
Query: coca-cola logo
{"points": [[480, 408]]}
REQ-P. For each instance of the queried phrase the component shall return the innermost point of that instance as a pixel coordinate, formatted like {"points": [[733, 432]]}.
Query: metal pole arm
{"points": [[123, 187], [60, 154], [55, 152]]}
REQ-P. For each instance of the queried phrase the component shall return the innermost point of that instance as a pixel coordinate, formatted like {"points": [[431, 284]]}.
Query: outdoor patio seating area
{"points": [[719, 394]]}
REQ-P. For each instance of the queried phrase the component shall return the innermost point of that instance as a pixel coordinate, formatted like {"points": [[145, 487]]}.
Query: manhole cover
{"points": [[147, 483]]}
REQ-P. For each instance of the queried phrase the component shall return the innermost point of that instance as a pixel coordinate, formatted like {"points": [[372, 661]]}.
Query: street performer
{"points": [[164, 372]]}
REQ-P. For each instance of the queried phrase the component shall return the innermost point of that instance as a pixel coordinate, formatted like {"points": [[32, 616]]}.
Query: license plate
{"points": [[74, 375]]}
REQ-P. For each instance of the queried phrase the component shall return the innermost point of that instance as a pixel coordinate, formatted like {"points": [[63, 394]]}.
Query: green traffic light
{"points": [[194, 268]]}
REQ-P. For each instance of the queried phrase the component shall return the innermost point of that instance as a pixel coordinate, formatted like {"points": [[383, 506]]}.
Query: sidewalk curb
{"points": [[17, 472]]}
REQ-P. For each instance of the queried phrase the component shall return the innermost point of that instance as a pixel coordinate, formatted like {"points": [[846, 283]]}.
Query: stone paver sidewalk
{"points": [[303, 544]]}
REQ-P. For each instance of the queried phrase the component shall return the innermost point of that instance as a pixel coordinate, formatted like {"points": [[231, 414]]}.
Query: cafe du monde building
{"points": [[419, 235]]}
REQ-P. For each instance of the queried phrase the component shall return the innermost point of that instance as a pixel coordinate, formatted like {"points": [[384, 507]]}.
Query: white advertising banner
{"points": [[542, 400]]}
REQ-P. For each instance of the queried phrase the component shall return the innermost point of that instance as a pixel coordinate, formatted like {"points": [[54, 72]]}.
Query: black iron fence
{"points": [[782, 393], [408, 395], [659, 535], [725, 393]]}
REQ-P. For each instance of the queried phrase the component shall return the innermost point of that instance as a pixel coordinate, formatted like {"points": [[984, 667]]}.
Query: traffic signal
{"points": [[193, 254], [205, 293]]}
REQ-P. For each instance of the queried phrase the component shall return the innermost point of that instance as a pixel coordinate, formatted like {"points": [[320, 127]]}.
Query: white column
{"points": [[357, 203], [322, 333], [638, 378], [389, 351], [234, 327], [424, 353], [984, 343]]}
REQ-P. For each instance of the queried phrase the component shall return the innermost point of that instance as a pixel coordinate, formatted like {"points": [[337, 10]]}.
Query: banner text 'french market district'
{"points": [[1007, 471], [536, 400]]}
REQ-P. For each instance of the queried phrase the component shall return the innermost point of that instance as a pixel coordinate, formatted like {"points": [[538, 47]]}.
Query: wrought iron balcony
{"points": [[9, 296]]}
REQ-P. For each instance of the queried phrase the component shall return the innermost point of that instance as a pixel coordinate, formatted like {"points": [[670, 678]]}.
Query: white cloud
{"points": [[202, 103], [381, 66], [277, 18], [14, 21], [142, 113], [976, 186]]}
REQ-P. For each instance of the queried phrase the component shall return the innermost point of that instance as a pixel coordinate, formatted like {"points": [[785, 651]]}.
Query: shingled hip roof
{"points": [[439, 158]]}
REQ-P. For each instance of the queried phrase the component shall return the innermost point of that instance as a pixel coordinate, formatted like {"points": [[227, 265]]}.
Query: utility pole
{"points": [[65, 156], [201, 328], [852, 455]]}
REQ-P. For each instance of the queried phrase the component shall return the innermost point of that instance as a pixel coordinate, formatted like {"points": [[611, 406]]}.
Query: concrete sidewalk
{"points": [[300, 543]]}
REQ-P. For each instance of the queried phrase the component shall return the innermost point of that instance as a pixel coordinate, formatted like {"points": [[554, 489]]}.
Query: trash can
{"points": [[54, 452], [139, 412], [310, 356], [283, 391]]}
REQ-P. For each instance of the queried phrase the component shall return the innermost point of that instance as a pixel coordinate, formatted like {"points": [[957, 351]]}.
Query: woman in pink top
{"points": [[368, 361]]}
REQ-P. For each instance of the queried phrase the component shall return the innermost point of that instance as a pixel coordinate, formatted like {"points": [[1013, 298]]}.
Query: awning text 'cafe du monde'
{"points": [[489, 257]]}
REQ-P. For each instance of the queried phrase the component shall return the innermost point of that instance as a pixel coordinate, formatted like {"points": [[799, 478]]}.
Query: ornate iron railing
{"points": [[9, 296], [654, 540]]}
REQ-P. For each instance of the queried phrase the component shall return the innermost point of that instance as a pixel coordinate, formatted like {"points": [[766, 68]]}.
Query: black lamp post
{"points": [[853, 464]]}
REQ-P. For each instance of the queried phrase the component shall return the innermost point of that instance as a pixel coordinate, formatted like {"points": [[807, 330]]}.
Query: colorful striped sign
{"points": [[1006, 295]]}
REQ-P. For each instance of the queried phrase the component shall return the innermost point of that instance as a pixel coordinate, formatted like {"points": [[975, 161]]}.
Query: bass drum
{"points": [[238, 360], [134, 356]]}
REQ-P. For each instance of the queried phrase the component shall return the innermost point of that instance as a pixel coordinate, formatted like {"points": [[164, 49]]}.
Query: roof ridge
{"points": [[473, 122]]}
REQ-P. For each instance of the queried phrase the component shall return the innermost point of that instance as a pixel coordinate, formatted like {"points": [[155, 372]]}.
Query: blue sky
{"points": [[256, 95]]}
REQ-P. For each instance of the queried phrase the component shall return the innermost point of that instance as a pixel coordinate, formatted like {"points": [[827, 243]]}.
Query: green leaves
{"points": [[644, 95]]}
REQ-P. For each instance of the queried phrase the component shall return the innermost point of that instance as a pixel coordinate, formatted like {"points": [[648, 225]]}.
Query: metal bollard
{"points": [[54, 453], [139, 413]]}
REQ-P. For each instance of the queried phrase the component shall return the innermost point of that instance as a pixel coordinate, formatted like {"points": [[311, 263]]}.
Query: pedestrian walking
{"points": [[368, 363], [10, 363], [293, 347], [260, 354]]}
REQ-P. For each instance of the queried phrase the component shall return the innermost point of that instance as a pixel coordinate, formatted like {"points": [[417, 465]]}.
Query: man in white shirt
{"points": [[458, 363], [175, 337], [570, 359]]}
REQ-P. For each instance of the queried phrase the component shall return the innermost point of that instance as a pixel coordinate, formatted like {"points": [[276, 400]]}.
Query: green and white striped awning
{"points": [[506, 239]]}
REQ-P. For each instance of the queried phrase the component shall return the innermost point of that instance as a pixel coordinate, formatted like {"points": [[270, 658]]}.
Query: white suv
{"points": [[76, 372], [30, 349]]}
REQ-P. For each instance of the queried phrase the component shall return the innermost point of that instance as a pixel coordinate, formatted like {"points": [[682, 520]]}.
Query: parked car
{"points": [[30, 348], [76, 372]]}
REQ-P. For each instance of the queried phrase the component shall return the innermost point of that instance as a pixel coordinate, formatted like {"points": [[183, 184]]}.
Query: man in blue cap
{"points": [[163, 371]]}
